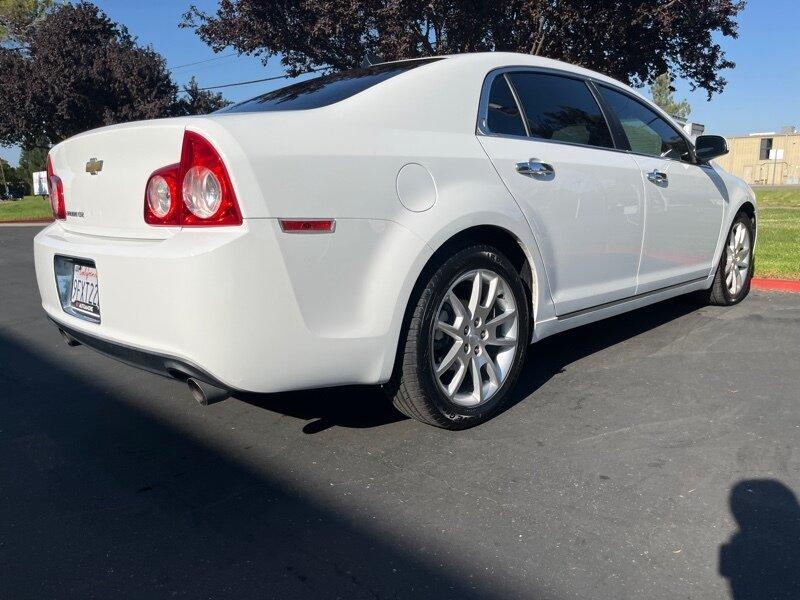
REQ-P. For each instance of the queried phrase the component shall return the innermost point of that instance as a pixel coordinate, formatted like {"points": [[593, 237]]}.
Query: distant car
{"points": [[414, 224]]}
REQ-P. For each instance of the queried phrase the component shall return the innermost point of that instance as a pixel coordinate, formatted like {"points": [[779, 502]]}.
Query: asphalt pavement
{"points": [[654, 455]]}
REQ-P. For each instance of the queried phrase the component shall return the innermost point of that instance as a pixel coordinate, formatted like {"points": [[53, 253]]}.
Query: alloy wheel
{"points": [[475, 337], [737, 263]]}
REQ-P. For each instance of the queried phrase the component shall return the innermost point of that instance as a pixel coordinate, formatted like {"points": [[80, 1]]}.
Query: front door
{"points": [[684, 200], [583, 200]]}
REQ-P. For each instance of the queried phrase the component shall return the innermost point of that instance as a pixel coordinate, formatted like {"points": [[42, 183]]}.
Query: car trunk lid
{"points": [[105, 171]]}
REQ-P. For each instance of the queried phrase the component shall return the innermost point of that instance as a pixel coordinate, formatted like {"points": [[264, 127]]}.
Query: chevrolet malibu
{"points": [[415, 224]]}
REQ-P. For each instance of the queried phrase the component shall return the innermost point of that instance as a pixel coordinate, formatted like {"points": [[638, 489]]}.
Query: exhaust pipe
{"points": [[205, 393], [68, 339]]}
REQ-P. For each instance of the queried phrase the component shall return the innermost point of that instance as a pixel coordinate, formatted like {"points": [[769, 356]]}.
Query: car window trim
{"points": [[641, 102], [482, 128], [483, 115], [520, 107]]}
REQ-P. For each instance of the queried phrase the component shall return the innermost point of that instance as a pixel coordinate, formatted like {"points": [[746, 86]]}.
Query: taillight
{"points": [[56, 189], [197, 192], [162, 197]]}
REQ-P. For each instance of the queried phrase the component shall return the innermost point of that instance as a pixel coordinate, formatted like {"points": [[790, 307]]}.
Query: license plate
{"points": [[85, 293]]}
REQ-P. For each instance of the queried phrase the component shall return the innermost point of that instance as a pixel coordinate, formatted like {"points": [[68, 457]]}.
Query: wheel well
{"points": [[500, 238], [491, 235], [750, 210]]}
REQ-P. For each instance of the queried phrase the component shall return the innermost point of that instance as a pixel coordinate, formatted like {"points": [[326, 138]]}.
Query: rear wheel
{"points": [[465, 341], [732, 280]]}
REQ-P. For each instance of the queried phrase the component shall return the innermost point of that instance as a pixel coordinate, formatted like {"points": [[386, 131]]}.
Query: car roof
{"points": [[444, 95]]}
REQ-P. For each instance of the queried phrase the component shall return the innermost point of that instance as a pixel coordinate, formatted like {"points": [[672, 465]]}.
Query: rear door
{"points": [[548, 139], [684, 200]]}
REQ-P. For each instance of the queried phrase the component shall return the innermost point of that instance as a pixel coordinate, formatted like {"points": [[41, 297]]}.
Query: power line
{"points": [[276, 77], [200, 62]]}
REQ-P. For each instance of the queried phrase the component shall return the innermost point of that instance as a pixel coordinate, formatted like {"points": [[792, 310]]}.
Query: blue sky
{"points": [[763, 91]]}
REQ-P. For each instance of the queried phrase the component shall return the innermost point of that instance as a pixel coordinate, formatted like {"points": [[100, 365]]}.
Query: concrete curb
{"points": [[791, 286]]}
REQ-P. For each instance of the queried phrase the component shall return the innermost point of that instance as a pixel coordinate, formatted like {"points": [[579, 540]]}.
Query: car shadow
{"points": [[367, 406], [103, 497], [762, 559]]}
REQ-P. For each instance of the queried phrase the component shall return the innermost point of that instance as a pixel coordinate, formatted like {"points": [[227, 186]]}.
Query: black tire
{"points": [[719, 294], [413, 389]]}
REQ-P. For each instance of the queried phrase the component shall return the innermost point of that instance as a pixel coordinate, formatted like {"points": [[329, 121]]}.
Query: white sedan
{"points": [[415, 224]]}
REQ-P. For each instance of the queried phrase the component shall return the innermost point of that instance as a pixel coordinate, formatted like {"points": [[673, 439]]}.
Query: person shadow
{"points": [[762, 560]]}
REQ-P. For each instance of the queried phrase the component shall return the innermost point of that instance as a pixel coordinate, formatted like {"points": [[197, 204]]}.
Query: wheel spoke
{"points": [[491, 369], [503, 342], [451, 330], [502, 319], [450, 358], [475, 295], [458, 306], [458, 379], [491, 295], [477, 381]]}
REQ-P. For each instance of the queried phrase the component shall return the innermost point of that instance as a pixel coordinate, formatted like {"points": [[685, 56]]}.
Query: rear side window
{"points": [[561, 109], [503, 116], [646, 131], [326, 90]]}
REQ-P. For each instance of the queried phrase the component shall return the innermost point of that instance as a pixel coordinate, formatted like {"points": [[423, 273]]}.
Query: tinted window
{"points": [[561, 109], [503, 116], [325, 90], [647, 133]]}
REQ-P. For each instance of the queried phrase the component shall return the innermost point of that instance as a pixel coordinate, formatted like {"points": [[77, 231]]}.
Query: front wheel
{"points": [[464, 343], [732, 280]]}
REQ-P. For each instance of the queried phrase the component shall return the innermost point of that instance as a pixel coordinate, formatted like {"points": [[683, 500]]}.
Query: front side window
{"points": [[503, 115], [646, 131], [561, 109], [326, 90]]}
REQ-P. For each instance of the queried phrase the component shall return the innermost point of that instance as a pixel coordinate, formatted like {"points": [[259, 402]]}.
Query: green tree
{"points": [[77, 70], [626, 39], [199, 102], [662, 92], [31, 160], [18, 17], [12, 183]]}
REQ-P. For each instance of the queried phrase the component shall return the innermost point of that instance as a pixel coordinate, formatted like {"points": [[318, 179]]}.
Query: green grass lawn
{"points": [[26, 209], [778, 252]]}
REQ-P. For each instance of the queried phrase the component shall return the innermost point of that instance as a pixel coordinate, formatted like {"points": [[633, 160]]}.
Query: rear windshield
{"points": [[325, 90]]}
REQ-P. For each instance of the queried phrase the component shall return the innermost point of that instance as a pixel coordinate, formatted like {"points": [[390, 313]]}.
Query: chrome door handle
{"points": [[657, 176], [535, 168]]}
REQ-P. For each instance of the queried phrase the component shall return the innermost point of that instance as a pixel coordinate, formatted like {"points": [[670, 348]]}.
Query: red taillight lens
{"points": [[197, 192], [162, 203], [56, 189]]}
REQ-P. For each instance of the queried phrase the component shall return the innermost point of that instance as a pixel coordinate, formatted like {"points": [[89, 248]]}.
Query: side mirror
{"points": [[710, 146]]}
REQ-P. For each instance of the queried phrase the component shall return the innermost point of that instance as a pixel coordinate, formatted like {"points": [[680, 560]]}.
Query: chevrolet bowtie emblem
{"points": [[94, 166]]}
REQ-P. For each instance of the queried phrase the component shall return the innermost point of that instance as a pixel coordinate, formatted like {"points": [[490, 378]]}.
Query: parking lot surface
{"points": [[654, 455]]}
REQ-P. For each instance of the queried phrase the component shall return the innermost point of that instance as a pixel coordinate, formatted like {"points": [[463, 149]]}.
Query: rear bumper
{"points": [[244, 308], [160, 364]]}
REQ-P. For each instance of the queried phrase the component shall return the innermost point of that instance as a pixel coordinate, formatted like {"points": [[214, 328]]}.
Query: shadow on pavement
{"points": [[762, 560], [552, 355], [367, 406], [350, 407], [99, 498]]}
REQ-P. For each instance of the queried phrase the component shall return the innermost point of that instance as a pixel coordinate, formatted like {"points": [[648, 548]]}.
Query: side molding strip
{"points": [[591, 309]]}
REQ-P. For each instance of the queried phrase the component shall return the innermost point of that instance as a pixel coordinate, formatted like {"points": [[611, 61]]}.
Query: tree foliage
{"points": [[19, 17], [196, 101], [662, 91], [77, 70], [631, 40]]}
